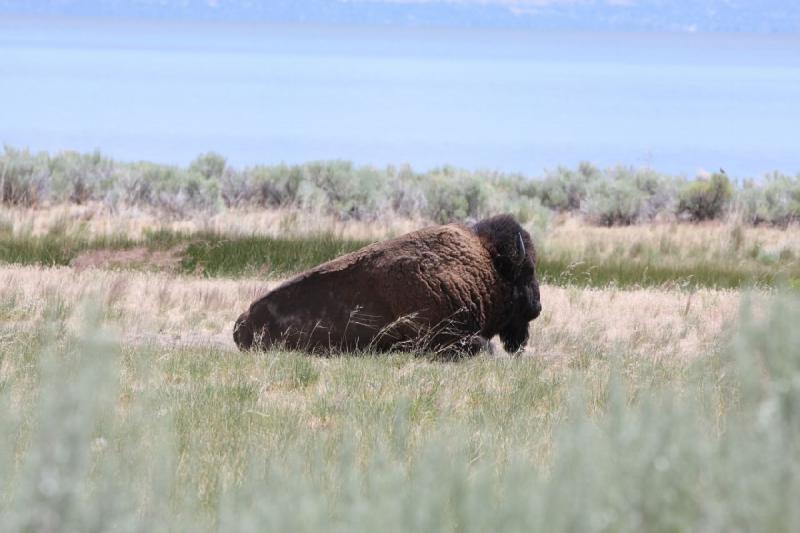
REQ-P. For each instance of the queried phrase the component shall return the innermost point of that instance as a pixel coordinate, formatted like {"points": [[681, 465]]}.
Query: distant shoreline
{"points": [[681, 17]]}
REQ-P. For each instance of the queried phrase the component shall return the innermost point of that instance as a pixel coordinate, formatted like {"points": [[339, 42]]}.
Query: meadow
{"points": [[129, 408], [275, 243], [659, 391]]}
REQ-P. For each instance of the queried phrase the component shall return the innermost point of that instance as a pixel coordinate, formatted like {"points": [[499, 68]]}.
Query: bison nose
{"points": [[537, 310]]}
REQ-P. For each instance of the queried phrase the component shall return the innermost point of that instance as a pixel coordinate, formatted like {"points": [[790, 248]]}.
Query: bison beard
{"points": [[447, 289], [514, 336]]}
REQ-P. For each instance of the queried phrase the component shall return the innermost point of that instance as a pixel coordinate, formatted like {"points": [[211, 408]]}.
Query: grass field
{"points": [[722, 255], [664, 405]]}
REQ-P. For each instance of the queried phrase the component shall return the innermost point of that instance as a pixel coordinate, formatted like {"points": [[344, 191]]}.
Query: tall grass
{"points": [[213, 254], [149, 437], [210, 254], [220, 256], [623, 272]]}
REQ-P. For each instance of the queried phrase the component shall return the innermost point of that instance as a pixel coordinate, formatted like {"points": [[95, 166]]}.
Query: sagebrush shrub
{"points": [[705, 198], [624, 196], [455, 195], [79, 178], [565, 189], [209, 165], [612, 202], [775, 201], [24, 177]]}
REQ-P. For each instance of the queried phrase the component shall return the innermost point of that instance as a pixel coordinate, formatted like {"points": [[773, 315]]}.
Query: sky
{"points": [[518, 86]]}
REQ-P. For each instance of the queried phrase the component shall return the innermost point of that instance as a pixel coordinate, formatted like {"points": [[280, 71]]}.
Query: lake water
{"points": [[509, 100]]}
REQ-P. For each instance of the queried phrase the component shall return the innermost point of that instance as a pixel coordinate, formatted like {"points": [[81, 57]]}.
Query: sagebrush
{"points": [[619, 195]]}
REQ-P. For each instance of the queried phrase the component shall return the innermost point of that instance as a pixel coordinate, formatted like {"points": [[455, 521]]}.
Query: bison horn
{"points": [[520, 247]]}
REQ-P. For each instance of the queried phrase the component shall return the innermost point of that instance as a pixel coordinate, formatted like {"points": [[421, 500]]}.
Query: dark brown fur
{"points": [[443, 288]]}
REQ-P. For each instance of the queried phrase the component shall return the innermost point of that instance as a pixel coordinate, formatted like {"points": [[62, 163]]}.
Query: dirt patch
{"points": [[139, 258]]}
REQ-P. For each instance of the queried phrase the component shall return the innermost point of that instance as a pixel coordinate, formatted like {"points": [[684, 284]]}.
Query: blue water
{"points": [[515, 101]]}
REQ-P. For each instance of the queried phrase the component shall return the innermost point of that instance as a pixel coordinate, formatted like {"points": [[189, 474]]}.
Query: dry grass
{"points": [[565, 234], [97, 220], [696, 242], [172, 429], [175, 310]]}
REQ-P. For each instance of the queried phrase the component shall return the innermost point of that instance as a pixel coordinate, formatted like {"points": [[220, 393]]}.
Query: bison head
{"points": [[514, 258]]}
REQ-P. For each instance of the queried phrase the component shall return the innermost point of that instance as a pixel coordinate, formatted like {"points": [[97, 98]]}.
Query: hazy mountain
{"points": [[624, 15]]}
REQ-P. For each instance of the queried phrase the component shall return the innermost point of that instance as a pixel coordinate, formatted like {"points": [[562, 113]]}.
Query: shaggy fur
{"points": [[443, 288]]}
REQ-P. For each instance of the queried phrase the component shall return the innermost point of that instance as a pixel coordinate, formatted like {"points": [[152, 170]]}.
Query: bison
{"points": [[447, 289]]}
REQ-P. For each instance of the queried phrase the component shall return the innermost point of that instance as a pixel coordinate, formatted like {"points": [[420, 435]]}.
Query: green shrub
{"points": [[361, 194], [529, 212], [78, 178], [626, 196], [705, 199], [455, 195], [209, 165], [173, 190], [775, 201], [408, 198], [276, 186], [336, 187], [660, 190], [612, 202], [564, 189], [24, 177], [236, 190]]}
